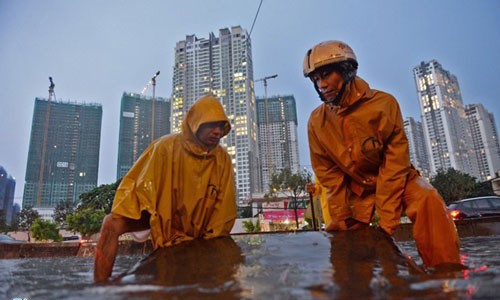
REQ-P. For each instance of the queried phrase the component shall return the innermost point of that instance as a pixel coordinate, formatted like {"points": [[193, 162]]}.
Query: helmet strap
{"points": [[335, 101]]}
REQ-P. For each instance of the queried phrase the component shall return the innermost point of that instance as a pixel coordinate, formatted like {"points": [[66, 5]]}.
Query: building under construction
{"points": [[138, 127], [63, 158]]}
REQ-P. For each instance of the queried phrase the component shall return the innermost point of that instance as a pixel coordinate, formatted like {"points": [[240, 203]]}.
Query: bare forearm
{"points": [[105, 255]]}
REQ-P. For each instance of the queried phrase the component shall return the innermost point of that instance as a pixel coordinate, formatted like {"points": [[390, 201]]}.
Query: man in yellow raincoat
{"points": [[359, 152], [181, 188]]}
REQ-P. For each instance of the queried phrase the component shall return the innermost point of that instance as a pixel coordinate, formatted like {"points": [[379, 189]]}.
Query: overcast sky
{"points": [[96, 50]]}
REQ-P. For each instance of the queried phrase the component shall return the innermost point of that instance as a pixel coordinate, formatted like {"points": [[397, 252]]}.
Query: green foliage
{"points": [[100, 198], [45, 230], [454, 185], [482, 189], [61, 211], [251, 227], [288, 184], [26, 218], [85, 221]]}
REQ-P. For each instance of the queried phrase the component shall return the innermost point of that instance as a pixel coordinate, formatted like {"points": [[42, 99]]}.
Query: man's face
{"points": [[210, 134], [329, 83]]}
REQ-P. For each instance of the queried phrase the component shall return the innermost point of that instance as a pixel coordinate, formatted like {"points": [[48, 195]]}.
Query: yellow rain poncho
{"points": [[188, 191]]}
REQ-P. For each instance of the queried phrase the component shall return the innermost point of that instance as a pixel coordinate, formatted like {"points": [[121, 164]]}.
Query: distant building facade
{"points": [[417, 146], [278, 138], [7, 189], [485, 139], [63, 157], [447, 133], [138, 128], [222, 66]]}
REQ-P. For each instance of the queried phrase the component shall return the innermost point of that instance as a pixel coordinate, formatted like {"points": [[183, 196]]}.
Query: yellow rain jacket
{"points": [[188, 191], [358, 149], [359, 153]]}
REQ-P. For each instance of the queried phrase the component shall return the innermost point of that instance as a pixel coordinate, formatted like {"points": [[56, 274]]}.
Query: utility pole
{"points": [[52, 94], [153, 83], [266, 120]]}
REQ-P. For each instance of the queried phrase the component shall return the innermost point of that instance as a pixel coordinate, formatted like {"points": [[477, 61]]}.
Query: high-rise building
{"points": [[418, 149], [485, 139], [447, 133], [7, 189], [278, 140], [138, 128], [222, 66], [63, 157]]}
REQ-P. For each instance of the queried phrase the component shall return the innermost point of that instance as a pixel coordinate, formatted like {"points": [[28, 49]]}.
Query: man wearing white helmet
{"points": [[359, 152]]}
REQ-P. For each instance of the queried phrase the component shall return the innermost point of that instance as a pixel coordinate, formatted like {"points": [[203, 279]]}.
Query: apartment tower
{"points": [[141, 122], [447, 133], [222, 66], [417, 146], [485, 139], [278, 140], [63, 157]]}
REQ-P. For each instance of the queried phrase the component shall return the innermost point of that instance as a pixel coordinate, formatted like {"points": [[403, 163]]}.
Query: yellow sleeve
{"points": [[222, 219], [331, 177], [138, 189]]}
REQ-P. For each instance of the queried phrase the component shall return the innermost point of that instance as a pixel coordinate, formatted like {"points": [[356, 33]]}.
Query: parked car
{"points": [[71, 239], [475, 207], [5, 239]]}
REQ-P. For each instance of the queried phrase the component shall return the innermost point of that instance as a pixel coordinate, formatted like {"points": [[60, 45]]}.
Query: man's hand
{"points": [[311, 188], [347, 224]]}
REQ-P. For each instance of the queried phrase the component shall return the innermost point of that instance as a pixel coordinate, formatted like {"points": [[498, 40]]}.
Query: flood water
{"points": [[71, 278]]}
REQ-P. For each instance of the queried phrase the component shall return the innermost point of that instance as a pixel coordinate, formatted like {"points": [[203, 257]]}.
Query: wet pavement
{"points": [[304, 265]]}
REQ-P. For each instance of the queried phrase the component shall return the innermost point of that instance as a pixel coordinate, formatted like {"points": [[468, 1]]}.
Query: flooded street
{"points": [[71, 278]]}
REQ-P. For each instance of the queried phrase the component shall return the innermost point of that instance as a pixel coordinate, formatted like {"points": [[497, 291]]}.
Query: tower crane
{"points": [[52, 95], [266, 120], [152, 82]]}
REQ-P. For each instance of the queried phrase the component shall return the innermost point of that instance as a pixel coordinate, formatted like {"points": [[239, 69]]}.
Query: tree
{"points": [[26, 218], [45, 230], [100, 198], [85, 221], [290, 185], [61, 211], [251, 227], [482, 189], [453, 185]]}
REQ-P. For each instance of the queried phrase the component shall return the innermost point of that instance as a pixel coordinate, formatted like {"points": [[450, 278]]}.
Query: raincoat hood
{"points": [[207, 109]]}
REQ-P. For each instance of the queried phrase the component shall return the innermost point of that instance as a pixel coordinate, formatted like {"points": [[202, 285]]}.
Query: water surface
{"points": [[264, 274]]}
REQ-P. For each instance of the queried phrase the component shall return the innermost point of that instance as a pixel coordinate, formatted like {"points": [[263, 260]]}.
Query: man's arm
{"points": [[222, 219], [332, 179], [107, 246], [393, 172]]}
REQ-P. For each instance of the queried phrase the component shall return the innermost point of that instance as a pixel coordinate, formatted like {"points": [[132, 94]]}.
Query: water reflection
{"points": [[368, 265], [272, 266]]}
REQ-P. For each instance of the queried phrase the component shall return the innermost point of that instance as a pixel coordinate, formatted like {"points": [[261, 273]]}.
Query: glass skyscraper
{"points": [[63, 157], [138, 128], [222, 66]]}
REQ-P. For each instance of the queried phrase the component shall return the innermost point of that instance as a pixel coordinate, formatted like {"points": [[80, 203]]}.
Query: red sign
{"points": [[283, 215]]}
